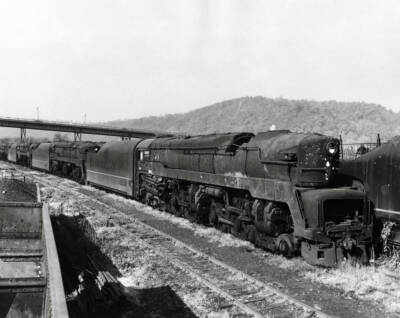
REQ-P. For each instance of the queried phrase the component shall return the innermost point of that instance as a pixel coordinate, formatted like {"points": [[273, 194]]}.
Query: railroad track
{"points": [[253, 297]]}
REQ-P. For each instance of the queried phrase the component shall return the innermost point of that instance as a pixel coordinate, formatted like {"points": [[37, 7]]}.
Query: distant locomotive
{"points": [[3, 151], [274, 189], [21, 153], [63, 158], [377, 173]]}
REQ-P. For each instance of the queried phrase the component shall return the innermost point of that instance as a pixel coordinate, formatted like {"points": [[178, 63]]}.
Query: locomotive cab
{"points": [[339, 226]]}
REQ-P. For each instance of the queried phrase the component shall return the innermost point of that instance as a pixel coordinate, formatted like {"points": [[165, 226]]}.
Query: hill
{"points": [[355, 121]]}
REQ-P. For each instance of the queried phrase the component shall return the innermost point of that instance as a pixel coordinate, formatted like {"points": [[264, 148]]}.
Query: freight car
{"points": [[271, 188], [30, 276], [377, 173]]}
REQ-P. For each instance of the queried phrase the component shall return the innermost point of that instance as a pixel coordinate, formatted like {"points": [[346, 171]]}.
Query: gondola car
{"points": [[378, 174], [272, 188], [30, 275]]}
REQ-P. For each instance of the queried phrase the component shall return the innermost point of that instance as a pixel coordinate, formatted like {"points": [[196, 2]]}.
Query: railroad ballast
{"points": [[275, 189]]}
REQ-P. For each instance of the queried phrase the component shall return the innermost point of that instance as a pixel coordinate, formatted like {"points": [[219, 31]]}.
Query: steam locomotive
{"points": [[274, 189], [62, 158]]}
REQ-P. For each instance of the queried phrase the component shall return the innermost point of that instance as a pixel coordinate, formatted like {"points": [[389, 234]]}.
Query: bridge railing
{"points": [[354, 150]]}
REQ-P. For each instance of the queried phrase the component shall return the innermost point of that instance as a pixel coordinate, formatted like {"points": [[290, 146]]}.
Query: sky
{"points": [[114, 59]]}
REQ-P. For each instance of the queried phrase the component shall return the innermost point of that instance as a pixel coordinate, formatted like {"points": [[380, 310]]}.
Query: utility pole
{"points": [[37, 112], [84, 119]]}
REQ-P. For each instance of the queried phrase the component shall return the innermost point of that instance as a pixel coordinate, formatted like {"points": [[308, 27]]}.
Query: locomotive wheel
{"points": [[148, 200], [76, 174], [186, 213], [237, 228], [285, 245], [142, 196], [225, 228], [212, 216], [251, 233], [174, 206], [65, 170]]}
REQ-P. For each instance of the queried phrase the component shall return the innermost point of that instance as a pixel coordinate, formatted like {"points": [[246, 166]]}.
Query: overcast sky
{"points": [[126, 59]]}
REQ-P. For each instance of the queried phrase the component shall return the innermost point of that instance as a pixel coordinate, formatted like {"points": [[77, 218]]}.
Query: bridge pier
{"points": [[23, 135], [77, 136]]}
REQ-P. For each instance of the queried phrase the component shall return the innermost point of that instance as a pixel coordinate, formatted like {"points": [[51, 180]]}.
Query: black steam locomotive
{"points": [[274, 189]]}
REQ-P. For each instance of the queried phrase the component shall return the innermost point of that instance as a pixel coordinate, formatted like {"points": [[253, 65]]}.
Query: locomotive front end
{"points": [[306, 160], [339, 226], [318, 159]]}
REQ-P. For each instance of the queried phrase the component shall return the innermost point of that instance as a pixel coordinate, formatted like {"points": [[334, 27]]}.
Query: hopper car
{"points": [[30, 275], [276, 189]]}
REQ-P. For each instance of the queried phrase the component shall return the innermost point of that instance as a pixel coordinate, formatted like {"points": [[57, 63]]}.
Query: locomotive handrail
{"points": [[279, 162]]}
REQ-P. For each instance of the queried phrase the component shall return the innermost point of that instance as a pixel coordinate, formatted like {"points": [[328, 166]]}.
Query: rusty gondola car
{"points": [[30, 276], [377, 173]]}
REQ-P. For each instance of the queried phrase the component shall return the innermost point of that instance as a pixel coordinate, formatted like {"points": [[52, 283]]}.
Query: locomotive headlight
{"points": [[332, 148]]}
